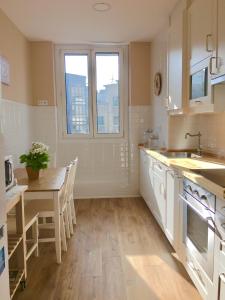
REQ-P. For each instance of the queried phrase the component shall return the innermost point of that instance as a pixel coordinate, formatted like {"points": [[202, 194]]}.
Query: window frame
{"points": [[90, 51]]}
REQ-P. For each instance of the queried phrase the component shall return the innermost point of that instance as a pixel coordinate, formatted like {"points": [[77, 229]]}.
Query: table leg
{"points": [[57, 227]]}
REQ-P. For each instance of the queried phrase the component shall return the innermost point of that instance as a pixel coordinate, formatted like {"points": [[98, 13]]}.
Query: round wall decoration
{"points": [[157, 84]]}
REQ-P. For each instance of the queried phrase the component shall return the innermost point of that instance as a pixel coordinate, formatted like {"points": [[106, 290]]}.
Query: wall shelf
{"points": [[16, 237]]}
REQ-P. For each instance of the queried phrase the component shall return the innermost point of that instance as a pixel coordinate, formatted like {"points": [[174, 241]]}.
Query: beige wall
{"points": [[159, 116], [139, 73], [42, 62], [16, 48]]}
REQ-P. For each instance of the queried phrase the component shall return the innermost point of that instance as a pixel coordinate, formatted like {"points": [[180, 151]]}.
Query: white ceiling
{"points": [[74, 21]]}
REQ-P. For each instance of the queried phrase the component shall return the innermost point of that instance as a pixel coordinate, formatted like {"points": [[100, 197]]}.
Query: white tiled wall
{"points": [[139, 121], [107, 167], [16, 124]]}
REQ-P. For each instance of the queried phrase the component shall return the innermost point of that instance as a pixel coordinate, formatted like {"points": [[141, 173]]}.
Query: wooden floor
{"points": [[118, 252]]}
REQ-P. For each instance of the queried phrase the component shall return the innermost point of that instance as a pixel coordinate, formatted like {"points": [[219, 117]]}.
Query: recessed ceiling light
{"points": [[101, 6]]}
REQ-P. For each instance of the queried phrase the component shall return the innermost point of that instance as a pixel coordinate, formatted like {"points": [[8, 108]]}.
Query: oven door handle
{"points": [[192, 206], [214, 229]]}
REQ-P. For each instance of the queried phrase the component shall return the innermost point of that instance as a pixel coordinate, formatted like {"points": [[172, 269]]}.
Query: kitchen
{"points": [[146, 132]]}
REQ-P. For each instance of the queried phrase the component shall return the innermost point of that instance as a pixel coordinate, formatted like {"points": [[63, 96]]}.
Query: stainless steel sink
{"points": [[174, 154]]}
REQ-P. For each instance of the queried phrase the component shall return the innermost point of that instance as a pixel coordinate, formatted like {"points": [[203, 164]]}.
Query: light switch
{"points": [[43, 102]]}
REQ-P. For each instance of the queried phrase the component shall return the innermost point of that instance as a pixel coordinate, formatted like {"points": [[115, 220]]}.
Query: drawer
{"points": [[197, 275], [159, 169]]}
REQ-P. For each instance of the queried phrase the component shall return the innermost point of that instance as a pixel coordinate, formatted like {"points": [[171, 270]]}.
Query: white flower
{"points": [[38, 148]]}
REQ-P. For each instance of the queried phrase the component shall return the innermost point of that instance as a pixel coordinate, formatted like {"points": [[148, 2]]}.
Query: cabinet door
{"points": [[160, 198], [221, 38], [145, 178], [170, 201], [143, 173], [201, 30], [221, 291]]}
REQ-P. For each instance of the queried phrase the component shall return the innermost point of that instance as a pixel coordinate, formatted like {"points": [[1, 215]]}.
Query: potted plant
{"points": [[36, 159]]}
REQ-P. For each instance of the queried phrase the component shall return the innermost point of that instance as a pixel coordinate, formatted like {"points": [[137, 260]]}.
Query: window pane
{"points": [[76, 79], [107, 97]]}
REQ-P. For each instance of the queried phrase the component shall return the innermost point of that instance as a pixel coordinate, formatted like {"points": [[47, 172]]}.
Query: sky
{"points": [[106, 67]]}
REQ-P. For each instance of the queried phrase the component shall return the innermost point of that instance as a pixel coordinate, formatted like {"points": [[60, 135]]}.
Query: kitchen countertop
{"points": [[208, 171], [205, 162]]}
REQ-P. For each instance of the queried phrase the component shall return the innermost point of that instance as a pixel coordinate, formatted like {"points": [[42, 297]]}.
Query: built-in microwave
{"points": [[9, 174], [200, 83]]}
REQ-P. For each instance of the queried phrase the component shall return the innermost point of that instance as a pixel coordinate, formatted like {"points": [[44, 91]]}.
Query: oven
{"points": [[199, 224]]}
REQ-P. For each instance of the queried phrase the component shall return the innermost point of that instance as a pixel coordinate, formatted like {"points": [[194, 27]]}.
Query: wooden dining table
{"points": [[48, 186]]}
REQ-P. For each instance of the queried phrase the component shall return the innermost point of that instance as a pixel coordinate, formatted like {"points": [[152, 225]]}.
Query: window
{"points": [[76, 83], [94, 94], [107, 82]]}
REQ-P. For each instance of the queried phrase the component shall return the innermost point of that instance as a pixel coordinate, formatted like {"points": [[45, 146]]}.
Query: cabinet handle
{"points": [[162, 190], [197, 271], [167, 103], [222, 244], [210, 64], [207, 43], [222, 277]]}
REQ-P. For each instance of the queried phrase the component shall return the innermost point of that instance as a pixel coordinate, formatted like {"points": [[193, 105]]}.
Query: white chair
{"points": [[70, 196], [45, 211]]}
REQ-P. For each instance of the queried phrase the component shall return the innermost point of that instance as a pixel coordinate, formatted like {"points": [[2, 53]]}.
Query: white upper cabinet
{"points": [[219, 52], [177, 56], [201, 30]]}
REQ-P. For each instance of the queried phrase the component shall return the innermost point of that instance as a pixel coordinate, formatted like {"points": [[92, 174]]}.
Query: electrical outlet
{"points": [[42, 102]]}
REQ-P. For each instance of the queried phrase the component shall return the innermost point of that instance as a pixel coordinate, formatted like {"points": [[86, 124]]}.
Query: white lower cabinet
{"points": [[159, 189], [159, 186], [145, 179], [172, 228]]}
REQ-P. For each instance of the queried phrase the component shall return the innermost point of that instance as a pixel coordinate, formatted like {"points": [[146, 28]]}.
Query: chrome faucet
{"points": [[199, 140]]}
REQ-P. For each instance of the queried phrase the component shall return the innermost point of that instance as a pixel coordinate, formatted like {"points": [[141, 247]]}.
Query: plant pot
{"points": [[32, 174]]}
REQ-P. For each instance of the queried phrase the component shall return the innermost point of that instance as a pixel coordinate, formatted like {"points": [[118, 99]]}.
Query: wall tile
{"points": [[16, 124]]}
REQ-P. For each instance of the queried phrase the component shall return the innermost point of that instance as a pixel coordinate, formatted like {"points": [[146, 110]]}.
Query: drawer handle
{"points": [[189, 188], [158, 166]]}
